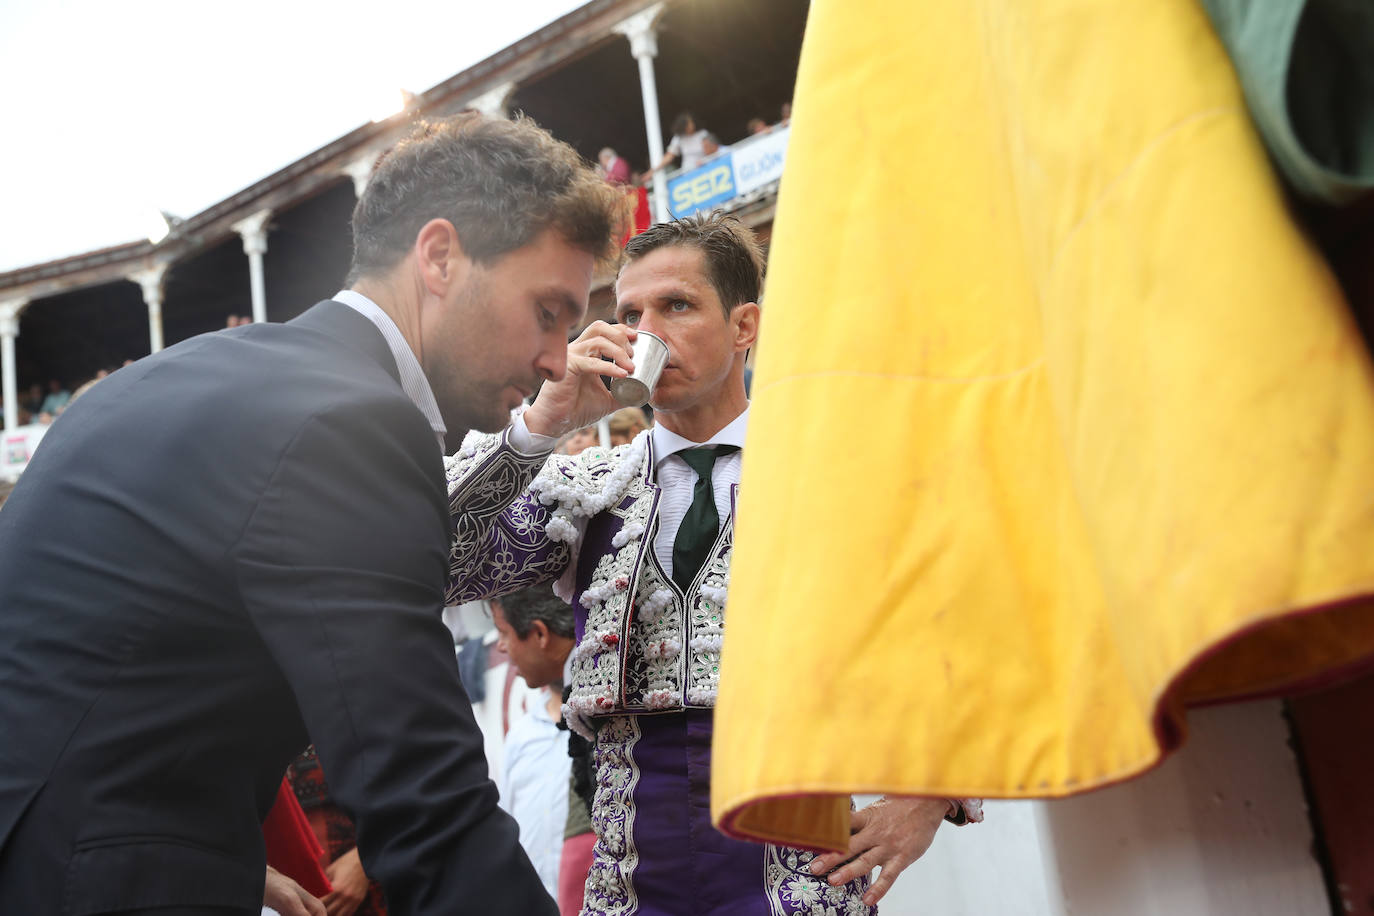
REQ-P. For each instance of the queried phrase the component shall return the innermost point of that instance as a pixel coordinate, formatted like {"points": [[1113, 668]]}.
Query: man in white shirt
{"points": [[640, 539], [536, 631]]}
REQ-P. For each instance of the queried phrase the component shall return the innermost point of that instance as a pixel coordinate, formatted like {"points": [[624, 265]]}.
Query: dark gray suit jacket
{"points": [[217, 555]]}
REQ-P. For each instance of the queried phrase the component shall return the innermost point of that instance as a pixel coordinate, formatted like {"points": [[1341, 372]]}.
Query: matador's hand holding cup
{"points": [[581, 398]]}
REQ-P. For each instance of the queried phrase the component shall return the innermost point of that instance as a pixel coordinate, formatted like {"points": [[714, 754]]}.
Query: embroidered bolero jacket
{"points": [[643, 645]]}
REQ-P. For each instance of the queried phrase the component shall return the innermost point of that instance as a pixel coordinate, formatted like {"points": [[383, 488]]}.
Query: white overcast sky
{"points": [[113, 109]]}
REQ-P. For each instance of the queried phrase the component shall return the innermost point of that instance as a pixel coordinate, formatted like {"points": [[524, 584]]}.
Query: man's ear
{"points": [[439, 257], [540, 632], [745, 318]]}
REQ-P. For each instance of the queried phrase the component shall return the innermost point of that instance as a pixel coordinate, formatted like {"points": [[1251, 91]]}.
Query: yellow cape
{"points": [[1059, 424]]}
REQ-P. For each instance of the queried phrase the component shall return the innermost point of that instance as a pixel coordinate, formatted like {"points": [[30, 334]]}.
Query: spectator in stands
{"points": [[32, 400], [614, 167], [786, 114], [536, 631], [57, 398], [626, 424], [616, 170], [99, 374], [758, 126], [579, 440], [686, 145], [711, 147]]}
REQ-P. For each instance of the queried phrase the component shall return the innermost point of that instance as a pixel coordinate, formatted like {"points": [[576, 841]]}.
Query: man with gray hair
{"points": [[615, 169], [535, 629]]}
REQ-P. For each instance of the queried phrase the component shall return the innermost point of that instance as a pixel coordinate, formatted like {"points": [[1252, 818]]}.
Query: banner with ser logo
{"points": [[707, 185], [749, 165]]}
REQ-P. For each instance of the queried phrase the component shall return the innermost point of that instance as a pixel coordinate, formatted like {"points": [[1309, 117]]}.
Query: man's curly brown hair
{"points": [[499, 182]]}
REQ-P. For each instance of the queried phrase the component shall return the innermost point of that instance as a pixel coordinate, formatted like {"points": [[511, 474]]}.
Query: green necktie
{"points": [[701, 524]]}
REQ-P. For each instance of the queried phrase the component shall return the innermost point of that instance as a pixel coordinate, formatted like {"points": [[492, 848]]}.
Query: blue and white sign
{"points": [[748, 166], [705, 186], [760, 161]]}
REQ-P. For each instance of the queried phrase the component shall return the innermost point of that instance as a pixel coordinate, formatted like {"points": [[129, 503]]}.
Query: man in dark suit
{"points": [[239, 545]]}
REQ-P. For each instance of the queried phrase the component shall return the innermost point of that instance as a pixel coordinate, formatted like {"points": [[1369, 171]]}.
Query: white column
{"points": [[493, 101], [9, 330], [150, 281], [254, 233], [639, 28]]}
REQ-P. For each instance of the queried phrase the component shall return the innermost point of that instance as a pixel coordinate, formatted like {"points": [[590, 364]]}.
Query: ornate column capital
{"points": [[642, 31], [253, 230], [360, 170], [493, 101], [150, 280], [10, 310]]}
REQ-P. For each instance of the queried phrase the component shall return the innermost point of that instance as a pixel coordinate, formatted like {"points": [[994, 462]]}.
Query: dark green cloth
{"points": [[701, 524], [581, 780], [1307, 67], [579, 818]]}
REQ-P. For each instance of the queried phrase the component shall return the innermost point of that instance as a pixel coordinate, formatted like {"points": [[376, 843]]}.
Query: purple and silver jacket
{"points": [[643, 645]]}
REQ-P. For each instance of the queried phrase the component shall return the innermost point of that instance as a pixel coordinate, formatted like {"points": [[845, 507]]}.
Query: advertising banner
{"points": [[748, 166]]}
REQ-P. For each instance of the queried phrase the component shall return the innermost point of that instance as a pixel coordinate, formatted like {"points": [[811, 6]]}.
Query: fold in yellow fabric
{"points": [[1059, 424]]}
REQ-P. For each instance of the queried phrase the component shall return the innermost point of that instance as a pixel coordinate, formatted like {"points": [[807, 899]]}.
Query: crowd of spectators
{"points": [[40, 405], [691, 145]]}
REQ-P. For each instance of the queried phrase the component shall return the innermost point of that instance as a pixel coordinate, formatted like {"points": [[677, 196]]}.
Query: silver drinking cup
{"points": [[650, 356]]}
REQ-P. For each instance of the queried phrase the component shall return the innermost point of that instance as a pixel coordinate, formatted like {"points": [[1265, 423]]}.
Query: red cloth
{"points": [[331, 825], [642, 215], [572, 871], [292, 848]]}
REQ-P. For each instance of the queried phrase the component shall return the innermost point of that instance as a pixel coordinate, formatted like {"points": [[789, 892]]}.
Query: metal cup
{"points": [[650, 357]]}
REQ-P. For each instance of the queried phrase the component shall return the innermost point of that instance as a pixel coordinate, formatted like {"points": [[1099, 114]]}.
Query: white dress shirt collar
{"points": [[413, 381], [668, 443]]}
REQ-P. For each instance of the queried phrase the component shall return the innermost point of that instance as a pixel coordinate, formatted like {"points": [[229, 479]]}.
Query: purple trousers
{"points": [[657, 853]]}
